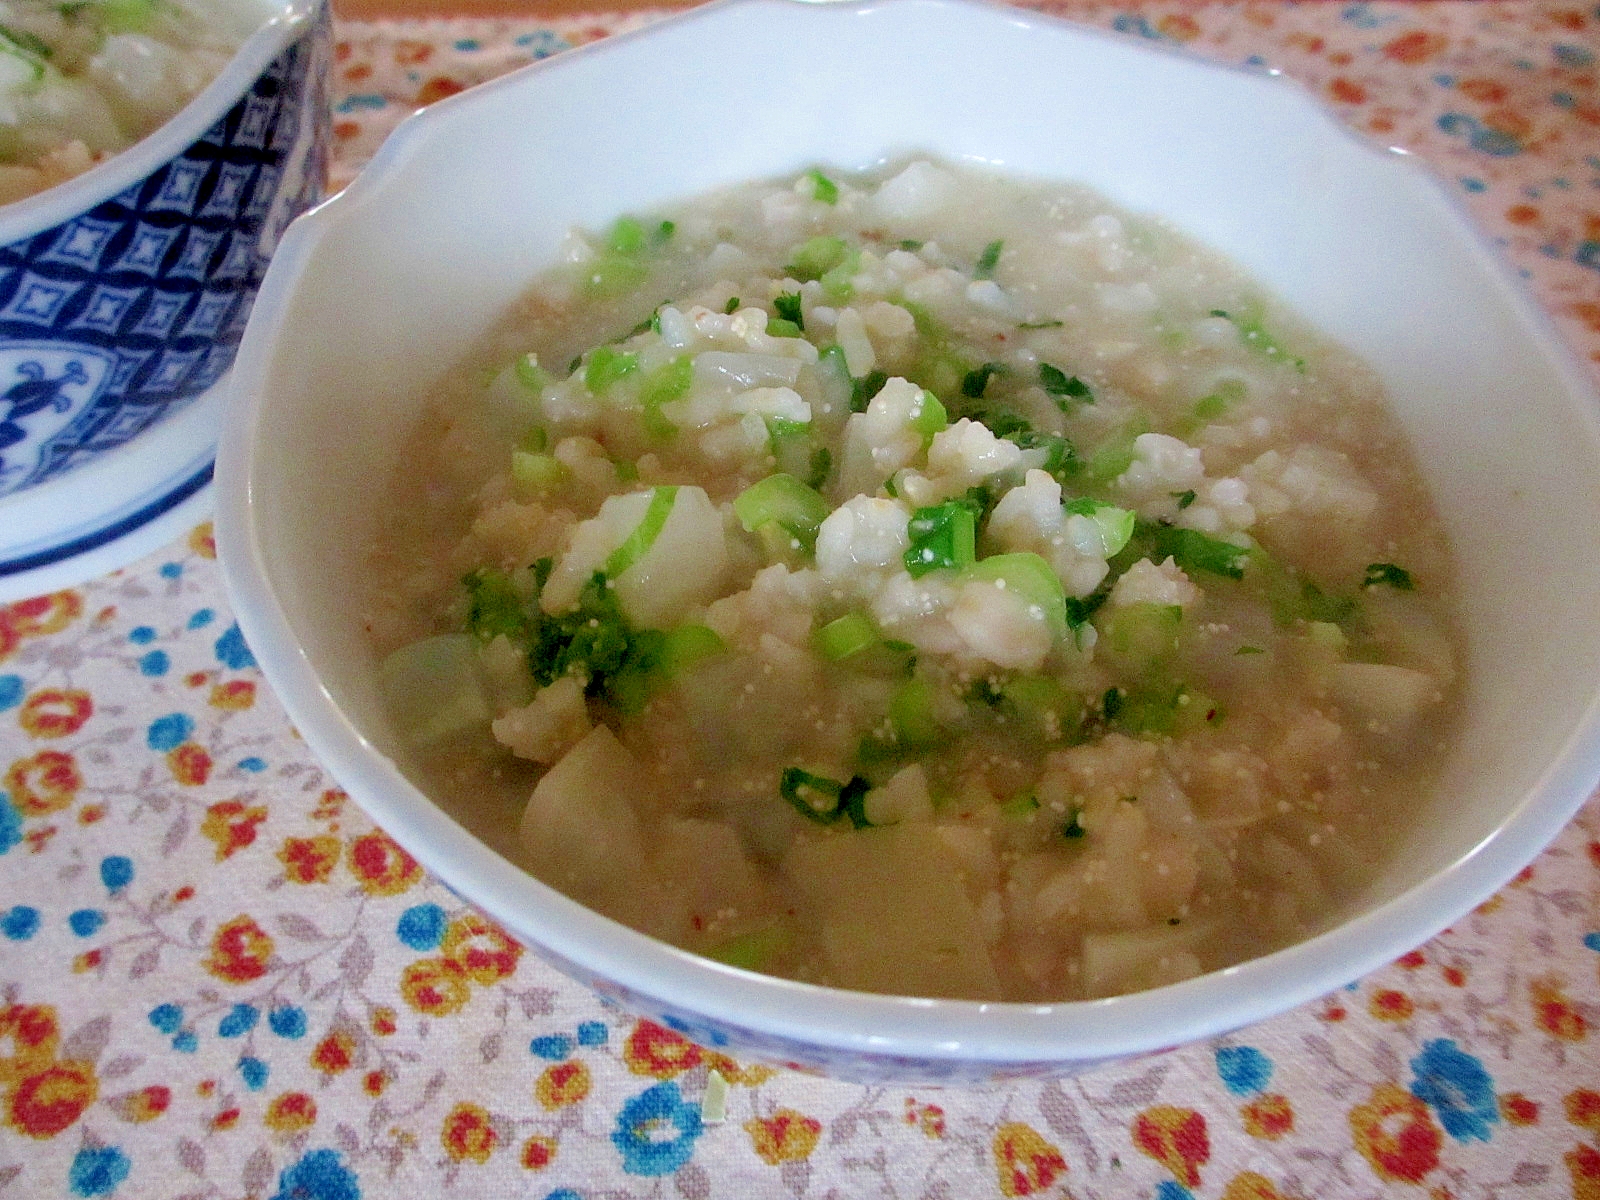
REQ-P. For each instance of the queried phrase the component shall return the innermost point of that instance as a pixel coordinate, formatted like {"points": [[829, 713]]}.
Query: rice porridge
{"points": [[82, 81], [922, 582]]}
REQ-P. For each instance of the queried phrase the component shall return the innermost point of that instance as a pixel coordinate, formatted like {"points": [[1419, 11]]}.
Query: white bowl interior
{"points": [[472, 199]]}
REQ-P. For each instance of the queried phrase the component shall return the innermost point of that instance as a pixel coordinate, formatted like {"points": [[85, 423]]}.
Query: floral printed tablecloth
{"points": [[218, 979]]}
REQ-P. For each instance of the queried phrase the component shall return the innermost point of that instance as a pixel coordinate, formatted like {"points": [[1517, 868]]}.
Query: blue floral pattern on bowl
{"points": [[124, 314]]}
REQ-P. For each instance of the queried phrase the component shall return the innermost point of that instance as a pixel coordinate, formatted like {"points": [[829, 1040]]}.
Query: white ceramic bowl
{"points": [[376, 291], [124, 293]]}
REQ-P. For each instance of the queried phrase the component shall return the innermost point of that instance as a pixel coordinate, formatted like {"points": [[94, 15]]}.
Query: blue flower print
{"points": [[96, 1170], [1244, 1069], [320, 1175], [232, 651], [10, 824], [1455, 1086], [656, 1131]]}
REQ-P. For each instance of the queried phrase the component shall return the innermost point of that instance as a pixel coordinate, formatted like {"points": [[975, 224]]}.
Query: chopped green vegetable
{"points": [[494, 607], [853, 801], [845, 636], [988, 260], [686, 647], [1073, 828], [529, 373], [1250, 322], [1184, 499], [536, 474], [1208, 408], [814, 258], [928, 416], [1041, 325], [823, 188], [732, 306], [1144, 634], [1029, 576], [779, 327], [912, 715], [668, 382], [627, 236], [609, 275], [815, 797], [943, 536], [787, 307], [753, 952], [864, 389], [1195, 551], [1114, 525], [911, 245], [1388, 575], [638, 543], [783, 500], [1068, 391], [608, 365], [977, 379]]}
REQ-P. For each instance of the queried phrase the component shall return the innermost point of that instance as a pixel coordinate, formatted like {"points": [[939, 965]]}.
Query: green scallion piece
{"points": [[1068, 391], [1388, 575], [783, 500], [943, 536], [988, 260], [823, 188], [637, 544], [815, 797], [845, 636], [607, 366], [1032, 578]]}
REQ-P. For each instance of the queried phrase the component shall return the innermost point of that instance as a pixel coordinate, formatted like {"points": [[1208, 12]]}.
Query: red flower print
{"points": [[47, 1102], [483, 951], [1517, 1109], [141, 1106], [1269, 1117], [562, 1084], [1248, 1185], [654, 1050], [189, 763], [1176, 1138], [54, 712], [1387, 1004], [1415, 47], [334, 1053], [235, 695], [30, 1033], [538, 1152], [380, 865], [1554, 1013], [202, 541], [1583, 1165], [231, 825], [1024, 1162], [290, 1112], [43, 783], [309, 859], [1396, 1134], [1583, 1109], [785, 1136], [468, 1133], [435, 987], [240, 951], [41, 615]]}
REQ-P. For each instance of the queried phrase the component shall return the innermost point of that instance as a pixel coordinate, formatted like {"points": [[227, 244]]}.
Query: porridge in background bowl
{"points": [[377, 293], [926, 582], [80, 82], [193, 134]]}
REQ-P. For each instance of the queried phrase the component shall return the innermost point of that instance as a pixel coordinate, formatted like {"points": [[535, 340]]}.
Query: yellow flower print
{"points": [[483, 951], [380, 865], [1025, 1163], [434, 986], [785, 1136], [468, 1133], [1396, 1134], [562, 1084]]}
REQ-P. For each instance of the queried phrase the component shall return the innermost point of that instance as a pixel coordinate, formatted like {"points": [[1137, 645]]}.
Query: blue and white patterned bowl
{"points": [[123, 295]]}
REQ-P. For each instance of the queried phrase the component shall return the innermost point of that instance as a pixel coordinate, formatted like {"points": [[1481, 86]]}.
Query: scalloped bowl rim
{"points": [[997, 1033]]}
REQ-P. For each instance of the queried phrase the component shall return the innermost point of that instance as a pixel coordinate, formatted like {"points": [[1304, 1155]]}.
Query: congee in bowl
{"points": [[923, 581], [903, 577]]}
